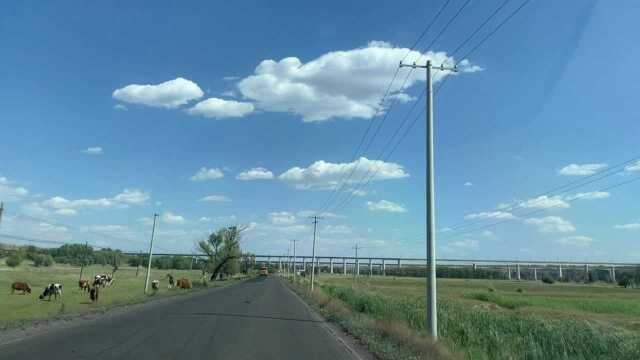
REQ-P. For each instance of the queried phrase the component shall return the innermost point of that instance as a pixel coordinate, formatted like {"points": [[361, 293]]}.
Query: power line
{"points": [[42, 241], [572, 185], [524, 216], [342, 182]]}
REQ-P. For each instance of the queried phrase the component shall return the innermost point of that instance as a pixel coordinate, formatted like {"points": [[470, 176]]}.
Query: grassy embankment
{"points": [[481, 319], [18, 310]]}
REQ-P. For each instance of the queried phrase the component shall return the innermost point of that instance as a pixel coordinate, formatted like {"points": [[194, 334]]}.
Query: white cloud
{"points": [[220, 108], [551, 224], [96, 150], [125, 198], [9, 191], [204, 219], [169, 94], [215, 198], [468, 183], [545, 202], [317, 90], [326, 214], [384, 205], [357, 192], [581, 169], [257, 173], [172, 218], [120, 107], [326, 175], [633, 167], [207, 174], [592, 195], [282, 218], [66, 212], [630, 226], [337, 230], [132, 196], [490, 215], [578, 241], [146, 221]]}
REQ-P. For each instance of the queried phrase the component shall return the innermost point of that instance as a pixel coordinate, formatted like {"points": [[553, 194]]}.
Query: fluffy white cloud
{"points": [[127, 197], [96, 150], [591, 195], [207, 174], [551, 224], [172, 218], [169, 94], [120, 107], [132, 196], [326, 214], [336, 230], [317, 90], [325, 175], [220, 108], [468, 183], [258, 173], [66, 212], [490, 215], [581, 169], [282, 218], [215, 198], [384, 205], [545, 202], [578, 241], [357, 192], [204, 219], [633, 167], [10, 191], [630, 226]]}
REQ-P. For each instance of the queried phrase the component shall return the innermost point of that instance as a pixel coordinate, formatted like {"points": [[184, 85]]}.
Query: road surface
{"points": [[257, 319]]}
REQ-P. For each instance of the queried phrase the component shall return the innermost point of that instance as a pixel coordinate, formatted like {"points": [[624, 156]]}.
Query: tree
{"points": [[222, 249], [14, 260]]}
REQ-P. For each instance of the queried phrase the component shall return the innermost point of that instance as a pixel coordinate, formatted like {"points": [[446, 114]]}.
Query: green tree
{"points": [[14, 260], [222, 249]]}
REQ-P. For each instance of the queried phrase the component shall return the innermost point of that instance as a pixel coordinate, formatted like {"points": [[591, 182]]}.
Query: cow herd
{"points": [[93, 288]]}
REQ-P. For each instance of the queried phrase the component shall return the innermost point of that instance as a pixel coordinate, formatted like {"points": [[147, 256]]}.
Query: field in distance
{"points": [[126, 289]]}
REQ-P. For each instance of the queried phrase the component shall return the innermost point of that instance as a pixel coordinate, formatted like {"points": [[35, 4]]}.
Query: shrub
{"points": [[519, 290], [14, 260], [42, 260], [547, 280], [625, 280]]}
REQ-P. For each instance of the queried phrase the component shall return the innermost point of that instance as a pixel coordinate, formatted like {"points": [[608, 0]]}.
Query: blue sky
{"points": [[111, 110]]}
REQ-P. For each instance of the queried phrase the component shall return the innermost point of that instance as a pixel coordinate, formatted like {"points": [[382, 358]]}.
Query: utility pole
{"points": [[153, 232], [1, 211], [86, 249], [294, 259], [356, 268], [432, 311], [313, 251]]}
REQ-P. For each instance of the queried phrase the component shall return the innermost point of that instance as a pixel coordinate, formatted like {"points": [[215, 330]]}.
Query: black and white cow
{"points": [[103, 280], [52, 289]]}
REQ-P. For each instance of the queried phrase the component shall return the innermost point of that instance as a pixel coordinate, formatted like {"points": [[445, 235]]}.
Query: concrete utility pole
{"points": [[344, 266], [313, 251], [356, 270], [432, 311], [153, 232], [294, 258]]}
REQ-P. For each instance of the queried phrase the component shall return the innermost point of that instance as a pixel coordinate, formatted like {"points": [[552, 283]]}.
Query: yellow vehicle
{"points": [[264, 271]]}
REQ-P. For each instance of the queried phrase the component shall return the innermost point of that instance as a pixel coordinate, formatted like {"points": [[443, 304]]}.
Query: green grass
{"points": [[559, 321], [17, 309]]}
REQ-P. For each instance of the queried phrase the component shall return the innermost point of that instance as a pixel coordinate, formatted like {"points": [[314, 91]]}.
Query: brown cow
{"points": [[184, 283], [83, 285], [93, 294], [20, 286]]}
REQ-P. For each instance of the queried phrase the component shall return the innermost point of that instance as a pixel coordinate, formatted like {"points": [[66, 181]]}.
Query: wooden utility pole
{"points": [[153, 232]]}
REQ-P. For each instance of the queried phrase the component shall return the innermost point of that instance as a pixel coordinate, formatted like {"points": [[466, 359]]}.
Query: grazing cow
{"points": [[99, 280], [171, 281], [155, 285], [52, 289], [109, 280], [83, 285], [20, 286], [184, 283], [93, 294]]}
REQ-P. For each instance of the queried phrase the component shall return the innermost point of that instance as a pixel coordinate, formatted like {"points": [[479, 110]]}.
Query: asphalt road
{"points": [[256, 319]]}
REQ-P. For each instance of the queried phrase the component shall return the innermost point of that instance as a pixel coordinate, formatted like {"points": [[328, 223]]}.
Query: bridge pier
{"points": [[586, 273], [370, 267], [535, 274], [613, 273], [560, 271], [398, 267], [344, 266], [384, 268], [357, 267], [474, 266], [509, 272], [331, 265], [518, 271]]}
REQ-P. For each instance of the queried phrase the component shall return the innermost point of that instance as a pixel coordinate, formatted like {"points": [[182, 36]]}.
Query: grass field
{"points": [[483, 319], [16, 309]]}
